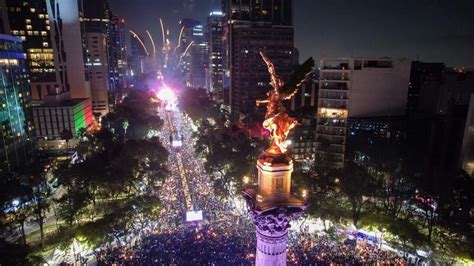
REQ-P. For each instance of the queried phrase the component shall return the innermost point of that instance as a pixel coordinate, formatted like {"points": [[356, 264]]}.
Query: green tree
{"points": [[229, 155], [36, 177], [76, 197], [139, 110], [321, 183], [83, 135], [396, 191], [15, 196], [358, 186], [67, 135], [197, 104]]}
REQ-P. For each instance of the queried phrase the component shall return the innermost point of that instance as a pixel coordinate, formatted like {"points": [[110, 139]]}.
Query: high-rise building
{"points": [[97, 26], [138, 56], [117, 54], [69, 44], [250, 26], [15, 118], [357, 87], [304, 107], [187, 25], [97, 63], [53, 33], [29, 20], [70, 57], [440, 127], [194, 63], [215, 33], [199, 58], [424, 87]]}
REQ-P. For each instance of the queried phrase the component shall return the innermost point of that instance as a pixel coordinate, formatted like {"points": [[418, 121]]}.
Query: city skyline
{"points": [[180, 132], [430, 31]]}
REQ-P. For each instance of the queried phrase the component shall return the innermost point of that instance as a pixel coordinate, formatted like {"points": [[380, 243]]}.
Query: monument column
{"points": [[271, 249], [271, 202]]}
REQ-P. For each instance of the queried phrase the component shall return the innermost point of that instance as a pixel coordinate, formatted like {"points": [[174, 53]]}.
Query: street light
{"points": [[381, 237]]}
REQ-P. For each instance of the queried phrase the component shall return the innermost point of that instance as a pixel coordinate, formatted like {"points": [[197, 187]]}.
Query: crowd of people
{"points": [[122, 254], [311, 249], [198, 245], [223, 237]]}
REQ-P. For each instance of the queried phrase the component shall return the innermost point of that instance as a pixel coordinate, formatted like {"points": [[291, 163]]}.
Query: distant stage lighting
{"points": [[192, 216], [166, 94], [177, 143]]}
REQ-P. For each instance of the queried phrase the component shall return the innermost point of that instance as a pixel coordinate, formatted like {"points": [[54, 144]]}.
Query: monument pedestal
{"points": [[272, 206]]}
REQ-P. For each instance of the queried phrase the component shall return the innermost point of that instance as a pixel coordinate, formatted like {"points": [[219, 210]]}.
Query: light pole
{"points": [[125, 126], [381, 237]]}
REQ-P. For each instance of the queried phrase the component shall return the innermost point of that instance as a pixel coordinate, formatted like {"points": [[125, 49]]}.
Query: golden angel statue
{"points": [[276, 120]]}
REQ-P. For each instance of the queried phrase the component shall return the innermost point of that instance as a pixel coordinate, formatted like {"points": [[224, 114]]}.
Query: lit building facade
{"points": [[357, 87], [70, 57], [15, 119], [249, 27], [199, 58], [187, 25], [52, 120], [97, 63], [117, 54], [97, 27], [304, 106], [70, 115], [69, 44], [194, 64], [215, 32], [53, 33], [137, 57], [29, 20]]}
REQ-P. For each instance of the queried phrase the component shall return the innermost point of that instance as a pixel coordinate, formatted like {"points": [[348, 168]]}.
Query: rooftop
{"points": [[66, 103]]}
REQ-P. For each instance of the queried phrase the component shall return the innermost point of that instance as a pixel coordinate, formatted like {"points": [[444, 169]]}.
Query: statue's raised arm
{"points": [[276, 81], [277, 122]]}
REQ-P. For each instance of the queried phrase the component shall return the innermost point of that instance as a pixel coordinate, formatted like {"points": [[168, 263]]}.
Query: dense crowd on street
{"points": [[312, 249], [222, 237]]}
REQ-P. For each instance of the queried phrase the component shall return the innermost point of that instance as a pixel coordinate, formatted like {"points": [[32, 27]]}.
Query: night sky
{"points": [[431, 30]]}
